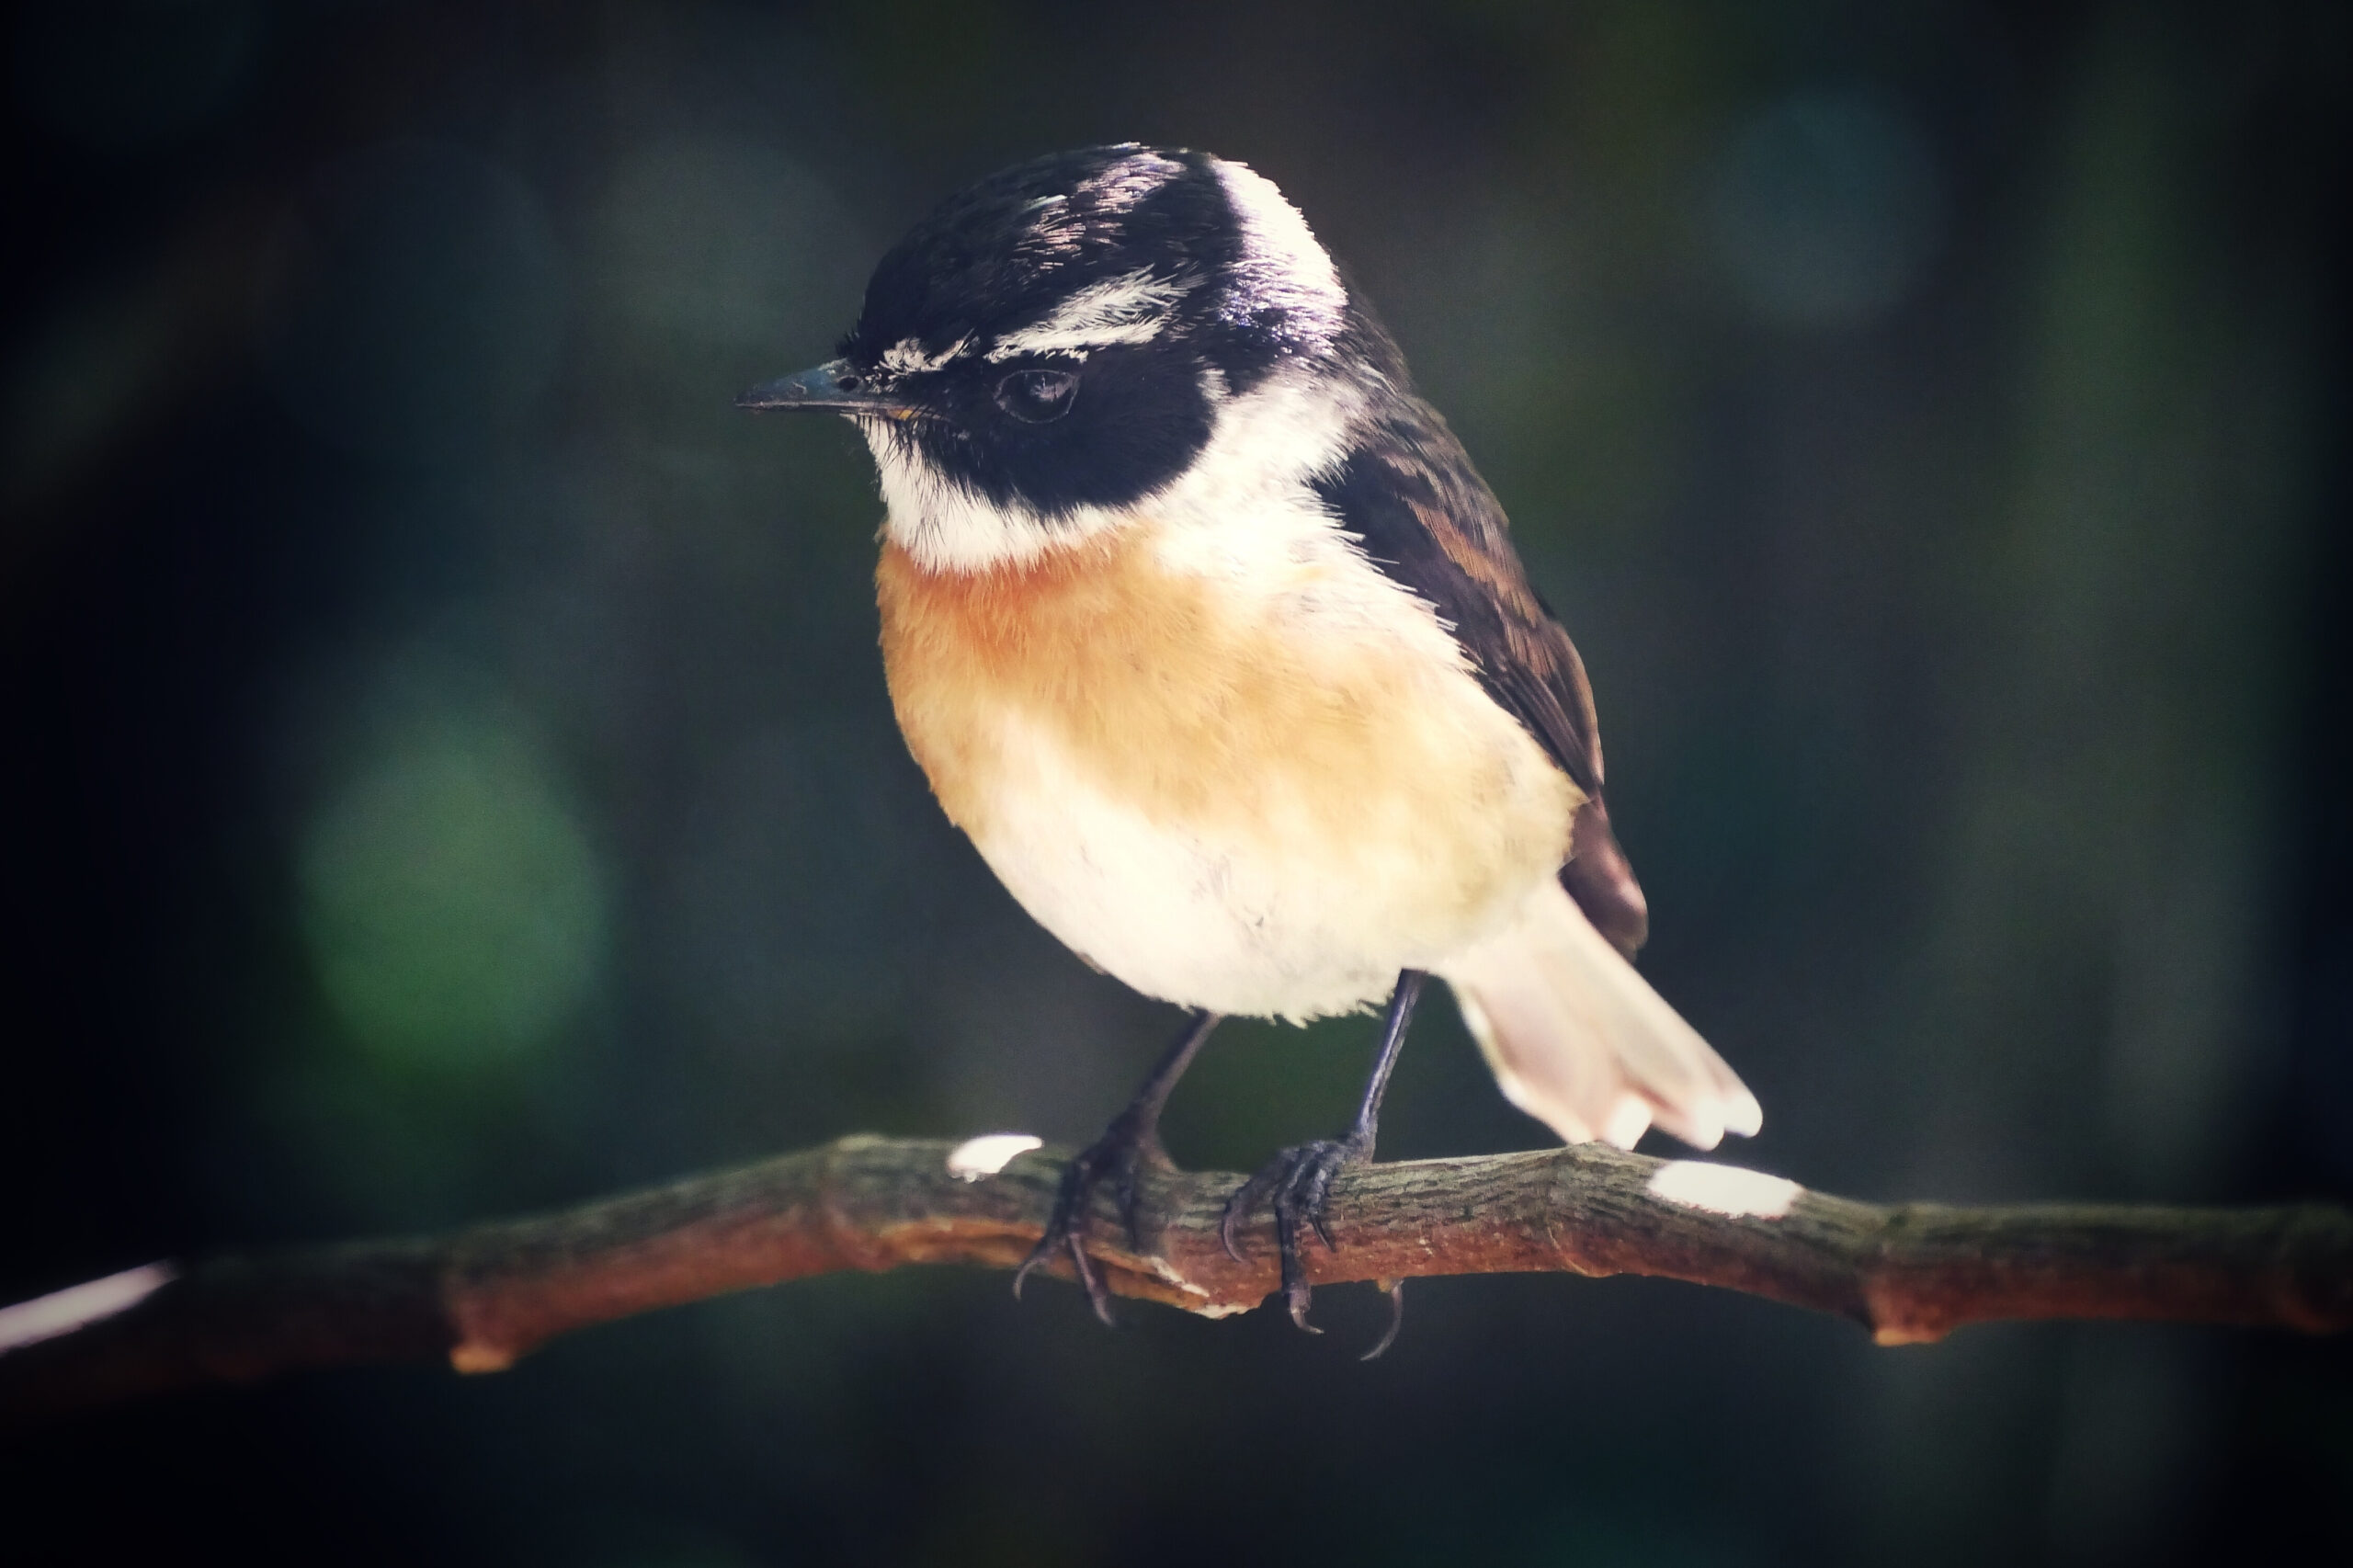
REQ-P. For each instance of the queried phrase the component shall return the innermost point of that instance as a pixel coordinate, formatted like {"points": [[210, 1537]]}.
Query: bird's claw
{"points": [[1299, 1179], [1121, 1154]]}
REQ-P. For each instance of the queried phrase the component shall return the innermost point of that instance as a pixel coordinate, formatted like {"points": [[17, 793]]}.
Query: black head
{"points": [[1061, 335]]}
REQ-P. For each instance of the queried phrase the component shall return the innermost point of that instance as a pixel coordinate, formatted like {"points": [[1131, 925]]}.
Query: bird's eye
{"points": [[1036, 396]]}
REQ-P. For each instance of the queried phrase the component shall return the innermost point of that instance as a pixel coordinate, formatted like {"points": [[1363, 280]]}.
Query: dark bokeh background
{"points": [[449, 770]]}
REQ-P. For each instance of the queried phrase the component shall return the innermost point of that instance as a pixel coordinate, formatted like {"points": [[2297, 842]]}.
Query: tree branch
{"points": [[484, 1296]]}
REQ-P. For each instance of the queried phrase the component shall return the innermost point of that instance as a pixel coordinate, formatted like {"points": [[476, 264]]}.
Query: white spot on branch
{"points": [[1724, 1190], [77, 1306], [989, 1153]]}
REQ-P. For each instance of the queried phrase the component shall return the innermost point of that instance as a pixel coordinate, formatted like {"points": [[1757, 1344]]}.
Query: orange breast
{"points": [[1214, 714]]}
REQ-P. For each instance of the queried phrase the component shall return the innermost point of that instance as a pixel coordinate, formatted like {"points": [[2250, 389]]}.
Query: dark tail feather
{"points": [[1599, 877]]}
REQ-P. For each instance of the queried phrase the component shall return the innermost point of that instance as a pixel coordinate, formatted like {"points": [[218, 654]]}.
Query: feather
{"points": [[1409, 492], [1580, 1041]]}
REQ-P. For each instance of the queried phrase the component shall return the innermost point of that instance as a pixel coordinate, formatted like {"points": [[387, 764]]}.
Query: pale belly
{"points": [[1276, 917], [1252, 813]]}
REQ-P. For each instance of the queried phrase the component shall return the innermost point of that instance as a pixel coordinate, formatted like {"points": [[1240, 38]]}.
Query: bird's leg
{"points": [[1129, 1144], [1299, 1178]]}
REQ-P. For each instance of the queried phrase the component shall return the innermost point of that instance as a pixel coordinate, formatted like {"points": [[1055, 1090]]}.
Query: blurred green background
{"points": [[449, 772]]}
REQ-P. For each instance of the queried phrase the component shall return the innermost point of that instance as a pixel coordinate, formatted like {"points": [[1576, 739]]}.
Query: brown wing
{"points": [[1430, 522]]}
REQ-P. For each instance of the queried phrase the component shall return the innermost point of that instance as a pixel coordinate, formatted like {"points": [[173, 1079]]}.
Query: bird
{"points": [[1209, 637]]}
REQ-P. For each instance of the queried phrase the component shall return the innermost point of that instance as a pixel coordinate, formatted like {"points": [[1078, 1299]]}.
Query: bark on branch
{"points": [[484, 1296]]}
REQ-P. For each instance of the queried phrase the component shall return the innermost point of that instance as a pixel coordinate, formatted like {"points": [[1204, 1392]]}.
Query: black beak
{"points": [[834, 387]]}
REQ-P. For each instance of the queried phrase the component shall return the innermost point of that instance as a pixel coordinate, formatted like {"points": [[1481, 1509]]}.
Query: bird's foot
{"points": [[1299, 1179], [1128, 1148]]}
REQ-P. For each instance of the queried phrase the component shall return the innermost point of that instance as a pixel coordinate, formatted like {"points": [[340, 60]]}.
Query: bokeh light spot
{"points": [[1824, 208], [454, 908]]}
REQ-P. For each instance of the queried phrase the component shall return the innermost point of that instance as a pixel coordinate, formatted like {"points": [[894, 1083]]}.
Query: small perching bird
{"points": [[1208, 633]]}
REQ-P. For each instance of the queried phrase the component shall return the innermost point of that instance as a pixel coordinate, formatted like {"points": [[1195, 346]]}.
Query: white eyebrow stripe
{"points": [[1128, 309], [906, 358]]}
